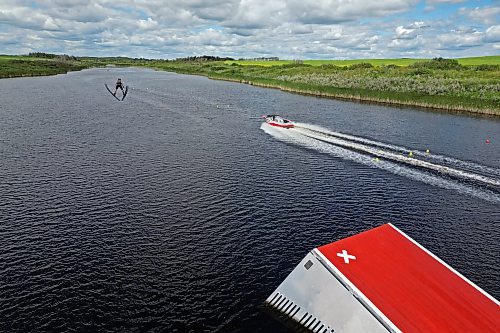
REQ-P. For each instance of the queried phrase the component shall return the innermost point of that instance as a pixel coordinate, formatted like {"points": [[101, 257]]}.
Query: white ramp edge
{"points": [[314, 297]]}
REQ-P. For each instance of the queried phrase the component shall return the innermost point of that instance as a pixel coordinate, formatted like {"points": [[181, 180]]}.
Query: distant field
{"points": [[6, 57], [489, 60], [20, 57]]}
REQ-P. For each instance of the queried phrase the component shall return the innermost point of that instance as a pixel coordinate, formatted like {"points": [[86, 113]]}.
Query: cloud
{"points": [[333, 33], [241, 28], [405, 33], [79, 12], [145, 40], [460, 39], [147, 24], [213, 37], [255, 14], [467, 38], [407, 44], [22, 17], [301, 29], [492, 34], [410, 31], [485, 15], [8, 39], [338, 11], [215, 10], [445, 1], [431, 5]]}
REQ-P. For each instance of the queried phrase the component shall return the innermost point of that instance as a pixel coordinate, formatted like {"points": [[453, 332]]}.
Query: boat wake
{"points": [[463, 176]]}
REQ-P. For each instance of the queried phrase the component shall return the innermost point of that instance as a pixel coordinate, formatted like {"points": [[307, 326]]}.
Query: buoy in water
{"points": [[427, 151], [376, 159], [487, 141], [410, 154]]}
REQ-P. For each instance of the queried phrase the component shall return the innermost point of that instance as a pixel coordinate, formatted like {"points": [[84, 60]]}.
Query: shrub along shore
{"points": [[463, 85]]}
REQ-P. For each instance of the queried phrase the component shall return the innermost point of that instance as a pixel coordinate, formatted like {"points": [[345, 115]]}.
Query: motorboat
{"points": [[278, 121]]}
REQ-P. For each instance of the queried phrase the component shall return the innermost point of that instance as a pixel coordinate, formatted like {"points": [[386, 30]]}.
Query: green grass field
{"points": [[489, 60]]}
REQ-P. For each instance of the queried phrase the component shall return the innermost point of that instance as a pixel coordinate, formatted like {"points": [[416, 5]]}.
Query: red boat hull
{"points": [[287, 125]]}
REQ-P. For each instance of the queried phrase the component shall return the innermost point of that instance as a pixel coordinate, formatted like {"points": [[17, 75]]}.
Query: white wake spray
{"points": [[467, 165], [463, 176]]}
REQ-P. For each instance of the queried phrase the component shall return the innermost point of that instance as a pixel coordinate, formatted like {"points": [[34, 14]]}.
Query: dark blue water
{"points": [[177, 211]]}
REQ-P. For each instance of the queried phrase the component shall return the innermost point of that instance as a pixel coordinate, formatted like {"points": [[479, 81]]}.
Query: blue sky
{"points": [[289, 29]]}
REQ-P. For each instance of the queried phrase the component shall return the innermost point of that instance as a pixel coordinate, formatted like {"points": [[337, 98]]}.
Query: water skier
{"points": [[119, 84]]}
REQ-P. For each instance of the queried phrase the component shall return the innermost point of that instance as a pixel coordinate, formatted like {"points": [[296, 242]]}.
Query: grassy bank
{"points": [[15, 66], [440, 83]]}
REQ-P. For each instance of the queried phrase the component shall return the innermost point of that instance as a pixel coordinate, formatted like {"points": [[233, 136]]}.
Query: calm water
{"points": [[177, 210]]}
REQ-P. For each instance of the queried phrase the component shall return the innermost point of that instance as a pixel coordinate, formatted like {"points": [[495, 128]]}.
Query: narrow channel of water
{"points": [[178, 210]]}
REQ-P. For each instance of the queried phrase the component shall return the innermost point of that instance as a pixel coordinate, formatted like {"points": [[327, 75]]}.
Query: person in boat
{"points": [[119, 84]]}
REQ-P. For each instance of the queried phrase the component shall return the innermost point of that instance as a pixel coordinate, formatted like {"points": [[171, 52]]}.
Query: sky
{"points": [[288, 29]]}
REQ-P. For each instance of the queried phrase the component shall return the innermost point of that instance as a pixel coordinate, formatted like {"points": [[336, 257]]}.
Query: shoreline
{"points": [[457, 109], [288, 86]]}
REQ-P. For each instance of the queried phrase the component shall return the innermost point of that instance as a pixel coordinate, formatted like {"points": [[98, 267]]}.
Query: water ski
{"points": [[111, 92], [125, 93]]}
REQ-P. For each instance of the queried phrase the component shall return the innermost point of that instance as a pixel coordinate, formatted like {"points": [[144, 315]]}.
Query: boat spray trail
{"points": [[392, 158], [444, 160]]}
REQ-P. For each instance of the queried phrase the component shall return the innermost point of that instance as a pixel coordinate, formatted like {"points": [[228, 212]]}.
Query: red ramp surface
{"points": [[399, 284]]}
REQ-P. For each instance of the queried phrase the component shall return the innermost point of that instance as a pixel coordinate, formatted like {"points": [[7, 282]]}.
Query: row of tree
{"points": [[204, 58], [51, 56]]}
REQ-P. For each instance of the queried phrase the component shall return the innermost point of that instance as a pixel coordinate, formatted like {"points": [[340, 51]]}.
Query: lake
{"points": [[178, 210]]}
